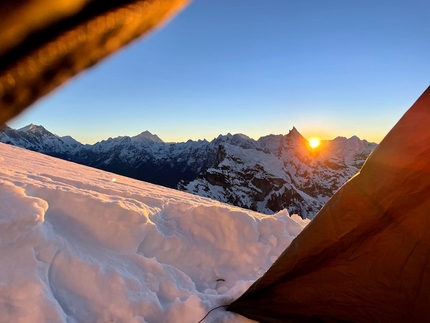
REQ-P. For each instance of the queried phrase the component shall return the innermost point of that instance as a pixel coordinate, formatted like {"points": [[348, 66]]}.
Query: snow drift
{"points": [[83, 245]]}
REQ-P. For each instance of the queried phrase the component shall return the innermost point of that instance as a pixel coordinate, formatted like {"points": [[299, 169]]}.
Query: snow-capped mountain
{"points": [[281, 172], [266, 175], [146, 136], [151, 160], [37, 138]]}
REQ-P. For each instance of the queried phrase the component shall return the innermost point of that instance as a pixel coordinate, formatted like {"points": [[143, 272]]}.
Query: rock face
{"points": [[37, 138], [266, 175], [281, 172]]}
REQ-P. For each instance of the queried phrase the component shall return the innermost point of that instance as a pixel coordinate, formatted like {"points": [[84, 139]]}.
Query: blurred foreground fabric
{"points": [[43, 43]]}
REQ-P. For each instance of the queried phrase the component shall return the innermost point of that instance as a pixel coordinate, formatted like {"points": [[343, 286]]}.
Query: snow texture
{"points": [[83, 245]]}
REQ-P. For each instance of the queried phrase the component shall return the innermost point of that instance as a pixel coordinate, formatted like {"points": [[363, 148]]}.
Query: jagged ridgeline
{"points": [[266, 175]]}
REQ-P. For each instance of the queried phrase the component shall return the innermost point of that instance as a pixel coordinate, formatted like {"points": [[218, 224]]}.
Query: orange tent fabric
{"points": [[366, 256]]}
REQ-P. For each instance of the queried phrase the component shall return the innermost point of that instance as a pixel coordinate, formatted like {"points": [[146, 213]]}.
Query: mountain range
{"points": [[266, 175]]}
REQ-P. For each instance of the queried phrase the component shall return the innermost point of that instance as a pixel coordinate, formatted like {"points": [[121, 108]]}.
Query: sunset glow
{"points": [[314, 142]]}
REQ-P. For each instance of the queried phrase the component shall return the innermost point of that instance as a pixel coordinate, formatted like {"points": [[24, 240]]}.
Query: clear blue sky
{"points": [[329, 68]]}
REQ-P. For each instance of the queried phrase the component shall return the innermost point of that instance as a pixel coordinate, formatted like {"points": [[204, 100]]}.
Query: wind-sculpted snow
{"points": [[83, 245]]}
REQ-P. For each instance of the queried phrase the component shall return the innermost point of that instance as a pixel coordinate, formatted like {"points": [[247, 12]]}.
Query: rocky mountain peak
{"points": [[31, 127], [146, 136], [36, 129], [295, 141], [294, 136]]}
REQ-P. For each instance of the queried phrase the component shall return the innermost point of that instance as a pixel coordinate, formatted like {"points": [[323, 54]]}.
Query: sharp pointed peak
{"points": [[295, 133]]}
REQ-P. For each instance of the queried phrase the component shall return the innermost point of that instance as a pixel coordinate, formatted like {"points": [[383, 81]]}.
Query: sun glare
{"points": [[314, 142]]}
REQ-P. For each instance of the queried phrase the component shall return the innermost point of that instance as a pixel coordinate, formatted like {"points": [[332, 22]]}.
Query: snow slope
{"points": [[83, 245]]}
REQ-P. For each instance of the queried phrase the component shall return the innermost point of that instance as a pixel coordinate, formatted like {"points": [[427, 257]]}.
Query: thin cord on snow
{"points": [[211, 312]]}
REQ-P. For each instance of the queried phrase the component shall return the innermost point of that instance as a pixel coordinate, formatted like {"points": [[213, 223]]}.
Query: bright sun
{"points": [[314, 142]]}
